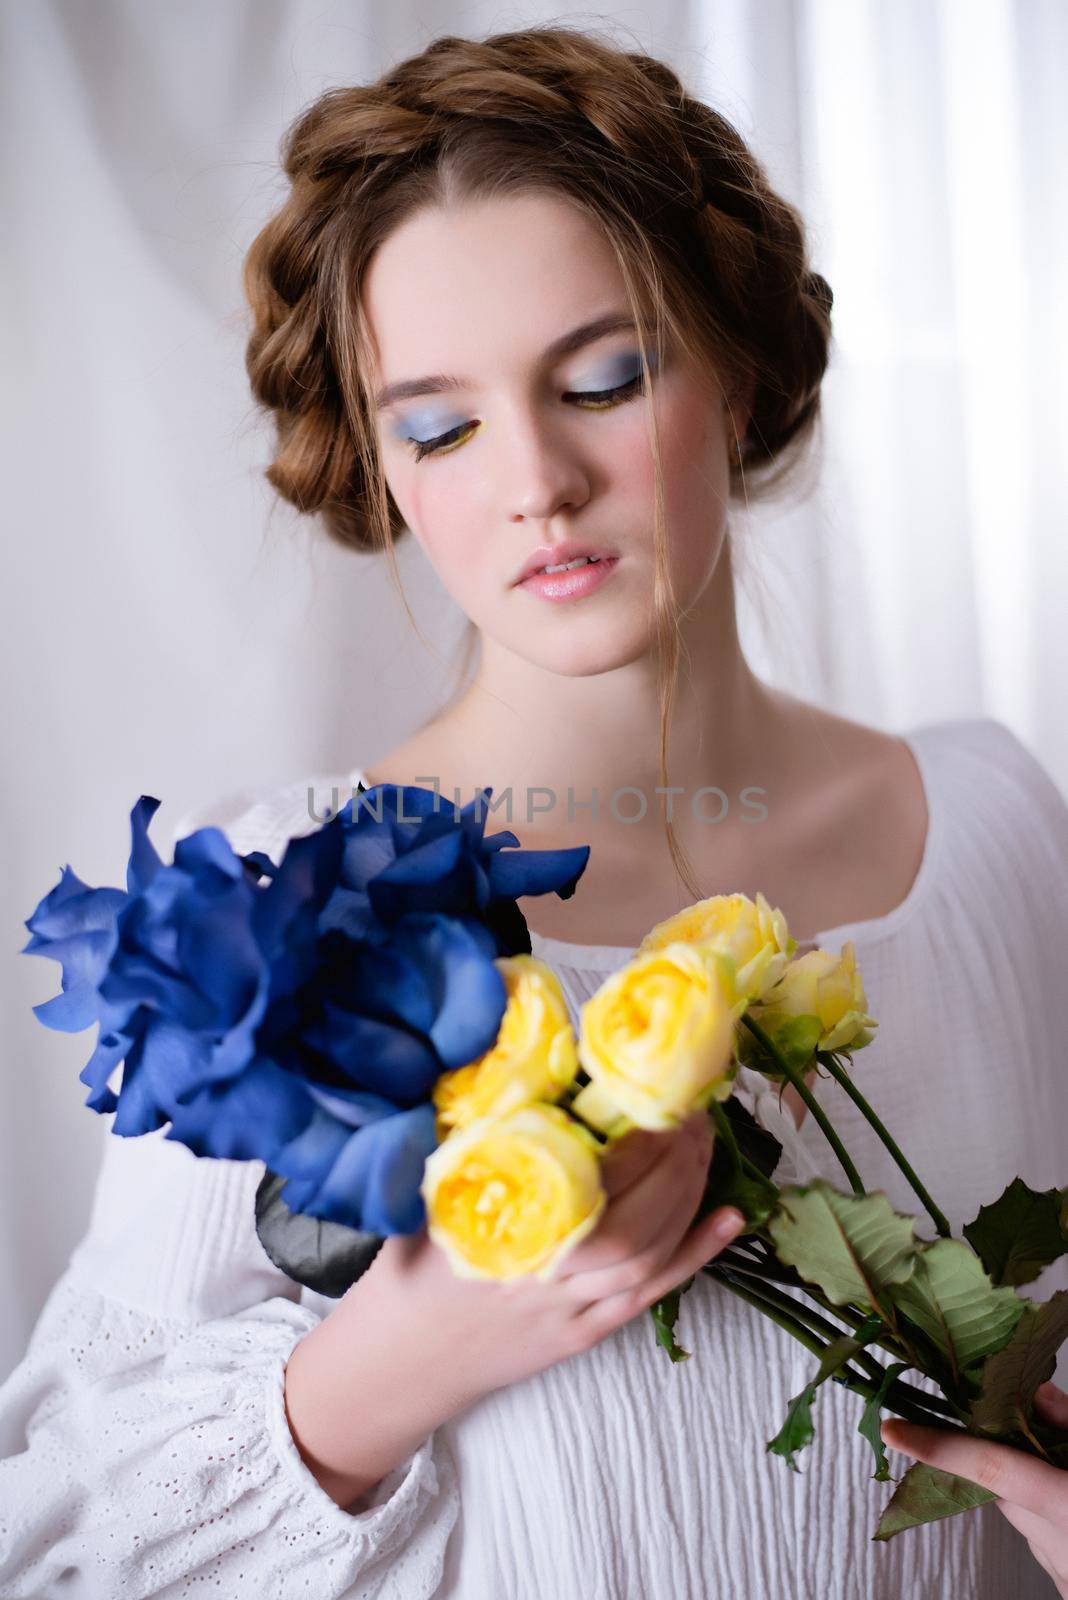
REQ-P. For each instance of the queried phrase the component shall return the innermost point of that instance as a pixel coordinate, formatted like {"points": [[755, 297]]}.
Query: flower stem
{"points": [[820, 1325], [904, 1406], [842, 1077], [819, 1116]]}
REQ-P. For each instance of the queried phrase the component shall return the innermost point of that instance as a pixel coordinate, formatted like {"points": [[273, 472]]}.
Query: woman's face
{"points": [[525, 447]]}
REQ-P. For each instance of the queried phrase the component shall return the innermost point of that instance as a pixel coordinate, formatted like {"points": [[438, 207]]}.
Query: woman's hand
{"points": [[1032, 1494], [491, 1333], [411, 1343]]}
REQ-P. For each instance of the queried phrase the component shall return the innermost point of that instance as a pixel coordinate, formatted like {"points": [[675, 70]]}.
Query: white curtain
{"points": [[169, 630]]}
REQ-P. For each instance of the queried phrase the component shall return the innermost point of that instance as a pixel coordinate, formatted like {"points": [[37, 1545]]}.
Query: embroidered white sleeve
{"points": [[144, 1445], [142, 1456]]}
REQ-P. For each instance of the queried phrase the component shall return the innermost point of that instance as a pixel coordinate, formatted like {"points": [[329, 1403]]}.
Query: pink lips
{"points": [[573, 585]]}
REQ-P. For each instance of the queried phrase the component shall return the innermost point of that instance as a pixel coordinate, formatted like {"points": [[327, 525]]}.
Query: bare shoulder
{"points": [[850, 760], [864, 809]]}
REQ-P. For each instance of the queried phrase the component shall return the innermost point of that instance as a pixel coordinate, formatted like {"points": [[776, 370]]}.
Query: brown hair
{"points": [[705, 247]]}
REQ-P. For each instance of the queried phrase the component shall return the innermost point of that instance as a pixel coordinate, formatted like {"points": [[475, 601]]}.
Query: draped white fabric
{"points": [[169, 630]]}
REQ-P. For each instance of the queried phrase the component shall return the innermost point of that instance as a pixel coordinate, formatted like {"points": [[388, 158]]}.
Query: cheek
{"points": [[443, 524], [693, 462]]}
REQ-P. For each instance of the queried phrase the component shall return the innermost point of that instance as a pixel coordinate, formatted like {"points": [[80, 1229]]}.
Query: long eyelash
{"points": [[596, 400]]}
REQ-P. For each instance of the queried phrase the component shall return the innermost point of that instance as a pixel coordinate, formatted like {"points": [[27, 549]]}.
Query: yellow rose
{"points": [[827, 987], [534, 1056], [507, 1196], [657, 1039], [752, 933]]}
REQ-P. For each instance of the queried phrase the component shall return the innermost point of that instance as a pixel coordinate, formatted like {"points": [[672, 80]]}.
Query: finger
{"points": [[1053, 1404], [701, 1244], [641, 1230], [1046, 1542], [1007, 1473], [628, 1159]]}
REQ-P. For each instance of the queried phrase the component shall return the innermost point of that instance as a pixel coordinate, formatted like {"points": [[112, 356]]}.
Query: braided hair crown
{"points": [[686, 204]]}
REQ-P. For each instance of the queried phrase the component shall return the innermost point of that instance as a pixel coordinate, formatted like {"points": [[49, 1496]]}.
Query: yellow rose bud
{"points": [[752, 933], [828, 987], [657, 1038], [508, 1196], [533, 1058]]}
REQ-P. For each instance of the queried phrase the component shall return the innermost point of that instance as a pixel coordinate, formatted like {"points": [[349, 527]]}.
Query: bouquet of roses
{"points": [[366, 1018]]}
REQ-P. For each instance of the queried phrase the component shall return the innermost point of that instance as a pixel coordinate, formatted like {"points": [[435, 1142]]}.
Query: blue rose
{"points": [[168, 968], [301, 1020], [407, 849]]}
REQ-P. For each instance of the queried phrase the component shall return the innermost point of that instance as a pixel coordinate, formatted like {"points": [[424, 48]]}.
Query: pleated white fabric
{"points": [[144, 1441]]}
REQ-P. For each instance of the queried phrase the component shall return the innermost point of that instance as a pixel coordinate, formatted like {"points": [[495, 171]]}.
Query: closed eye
{"points": [[588, 400]]}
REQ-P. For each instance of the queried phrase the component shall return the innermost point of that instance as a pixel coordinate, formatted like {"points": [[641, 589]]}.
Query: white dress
{"points": [[144, 1443]]}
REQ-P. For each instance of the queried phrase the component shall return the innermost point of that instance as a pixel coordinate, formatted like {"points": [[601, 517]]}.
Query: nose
{"points": [[543, 473]]}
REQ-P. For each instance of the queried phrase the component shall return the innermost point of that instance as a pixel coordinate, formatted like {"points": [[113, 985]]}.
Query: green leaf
{"points": [[729, 1183], [1020, 1233], [926, 1494], [665, 1315], [854, 1246], [1012, 1374], [869, 1422], [754, 1141], [798, 1431], [952, 1300]]}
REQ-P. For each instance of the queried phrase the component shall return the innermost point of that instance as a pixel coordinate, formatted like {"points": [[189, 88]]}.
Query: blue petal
{"points": [[260, 864], [369, 850], [110, 1049], [497, 841], [352, 1106], [248, 1119], [516, 873], [400, 1146], [427, 878], [138, 1110], [219, 954], [385, 981], [175, 1063], [84, 959], [76, 1008], [137, 977], [369, 1179], [306, 878], [206, 849], [144, 862], [468, 991], [381, 1057], [71, 909], [307, 1158], [349, 911]]}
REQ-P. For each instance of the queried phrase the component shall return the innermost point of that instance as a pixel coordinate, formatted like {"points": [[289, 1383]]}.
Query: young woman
{"points": [[532, 303]]}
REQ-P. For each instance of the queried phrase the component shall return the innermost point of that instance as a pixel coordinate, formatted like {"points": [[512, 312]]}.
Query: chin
{"points": [[573, 650]]}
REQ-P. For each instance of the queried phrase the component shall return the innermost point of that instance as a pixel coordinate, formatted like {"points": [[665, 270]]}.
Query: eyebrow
{"points": [[567, 344]]}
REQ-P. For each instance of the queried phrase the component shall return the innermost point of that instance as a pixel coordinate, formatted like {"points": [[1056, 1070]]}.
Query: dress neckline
{"points": [[607, 957]]}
